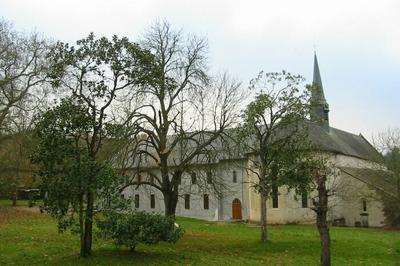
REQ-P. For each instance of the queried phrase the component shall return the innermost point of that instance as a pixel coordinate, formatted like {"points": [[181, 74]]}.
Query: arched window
{"points": [[194, 178], [304, 199], [152, 201], [364, 205], [187, 201], [137, 201], [209, 177], [275, 203], [206, 201]]}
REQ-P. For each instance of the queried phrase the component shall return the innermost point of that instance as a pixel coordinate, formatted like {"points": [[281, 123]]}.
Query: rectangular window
{"points": [[206, 202], [304, 199], [364, 205], [137, 201], [234, 176], [274, 196], [209, 177], [194, 178], [187, 201], [151, 179], [152, 201]]}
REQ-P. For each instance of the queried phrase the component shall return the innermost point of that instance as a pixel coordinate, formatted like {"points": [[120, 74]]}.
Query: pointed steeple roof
{"points": [[318, 91], [320, 107]]}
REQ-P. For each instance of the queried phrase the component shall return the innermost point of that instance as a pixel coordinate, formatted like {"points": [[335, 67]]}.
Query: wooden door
{"points": [[236, 210]]}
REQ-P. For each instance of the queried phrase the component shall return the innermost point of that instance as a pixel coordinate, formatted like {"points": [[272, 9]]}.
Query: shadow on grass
{"points": [[204, 243], [215, 249], [110, 256]]}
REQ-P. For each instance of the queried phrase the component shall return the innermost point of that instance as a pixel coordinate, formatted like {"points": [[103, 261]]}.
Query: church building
{"points": [[358, 177]]}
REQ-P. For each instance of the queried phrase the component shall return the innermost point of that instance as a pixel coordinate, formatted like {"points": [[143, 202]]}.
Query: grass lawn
{"points": [[8, 203], [30, 238]]}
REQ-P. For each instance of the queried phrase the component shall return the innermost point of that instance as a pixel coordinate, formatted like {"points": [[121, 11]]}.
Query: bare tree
{"points": [[23, 66], [16, 147], [22, 70], [184, 113], [387, 141], [323, 179], [327, 188]]}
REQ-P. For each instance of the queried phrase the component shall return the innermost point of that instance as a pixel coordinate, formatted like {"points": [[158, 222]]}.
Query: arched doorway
{"points": [[236, 210]]}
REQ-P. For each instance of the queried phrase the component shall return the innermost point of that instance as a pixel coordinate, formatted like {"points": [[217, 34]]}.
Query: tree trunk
{"points": [[263, 218], [87, 247], [170, 202], [14, 198], [325, 245], [322, 223], [264, 192], [81, 226]]}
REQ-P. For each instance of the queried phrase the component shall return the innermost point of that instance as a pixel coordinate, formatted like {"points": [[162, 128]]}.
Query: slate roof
{"points": [[342, 142], [318, 93], [335, 141], [378, 179]]}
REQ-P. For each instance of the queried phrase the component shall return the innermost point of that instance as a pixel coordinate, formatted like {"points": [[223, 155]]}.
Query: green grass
{"points": [[32, 239], [8, 203]]}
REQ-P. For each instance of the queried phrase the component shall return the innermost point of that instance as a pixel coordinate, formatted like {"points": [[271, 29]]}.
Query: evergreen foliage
{"points": [[131, 229]]}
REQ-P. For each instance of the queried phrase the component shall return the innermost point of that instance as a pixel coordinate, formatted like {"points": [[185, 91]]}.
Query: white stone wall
{"points": [[350, 193], [144, 193], [289, 208], [346, 204], [219, 208]]}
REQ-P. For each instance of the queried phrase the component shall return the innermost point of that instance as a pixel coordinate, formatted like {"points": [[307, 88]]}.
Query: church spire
{"points": [[320, 107]]}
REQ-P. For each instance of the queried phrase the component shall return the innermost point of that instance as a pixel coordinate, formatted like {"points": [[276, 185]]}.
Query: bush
{"points": [[391, 210], [131, 229]]}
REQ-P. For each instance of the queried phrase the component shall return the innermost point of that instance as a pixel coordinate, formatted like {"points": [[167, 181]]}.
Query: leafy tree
{"points": [[66, 167], [274, 132], [183, 114], [95, 75], [131, 229], [391, 205], [389, 144]]}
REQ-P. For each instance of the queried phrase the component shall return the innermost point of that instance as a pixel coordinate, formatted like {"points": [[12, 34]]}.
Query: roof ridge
{"points": [[341, 130]]}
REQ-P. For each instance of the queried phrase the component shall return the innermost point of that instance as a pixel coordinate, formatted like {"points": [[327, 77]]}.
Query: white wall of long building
{"points": [[289, 210], [220, 208]]}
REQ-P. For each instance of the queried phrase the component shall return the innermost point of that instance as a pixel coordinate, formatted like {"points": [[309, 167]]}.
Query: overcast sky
{"points": [[357, 42]]}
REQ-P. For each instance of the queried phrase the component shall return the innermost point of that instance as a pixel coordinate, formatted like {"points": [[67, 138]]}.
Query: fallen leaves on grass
{"points": [[8, 215]]}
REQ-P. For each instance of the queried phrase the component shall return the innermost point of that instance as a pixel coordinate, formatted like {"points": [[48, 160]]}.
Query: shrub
{"points": [[391, 210], [131, 229]]}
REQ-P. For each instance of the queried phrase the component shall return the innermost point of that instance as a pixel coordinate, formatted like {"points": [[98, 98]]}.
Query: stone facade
{"points": [[354, 203]]}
